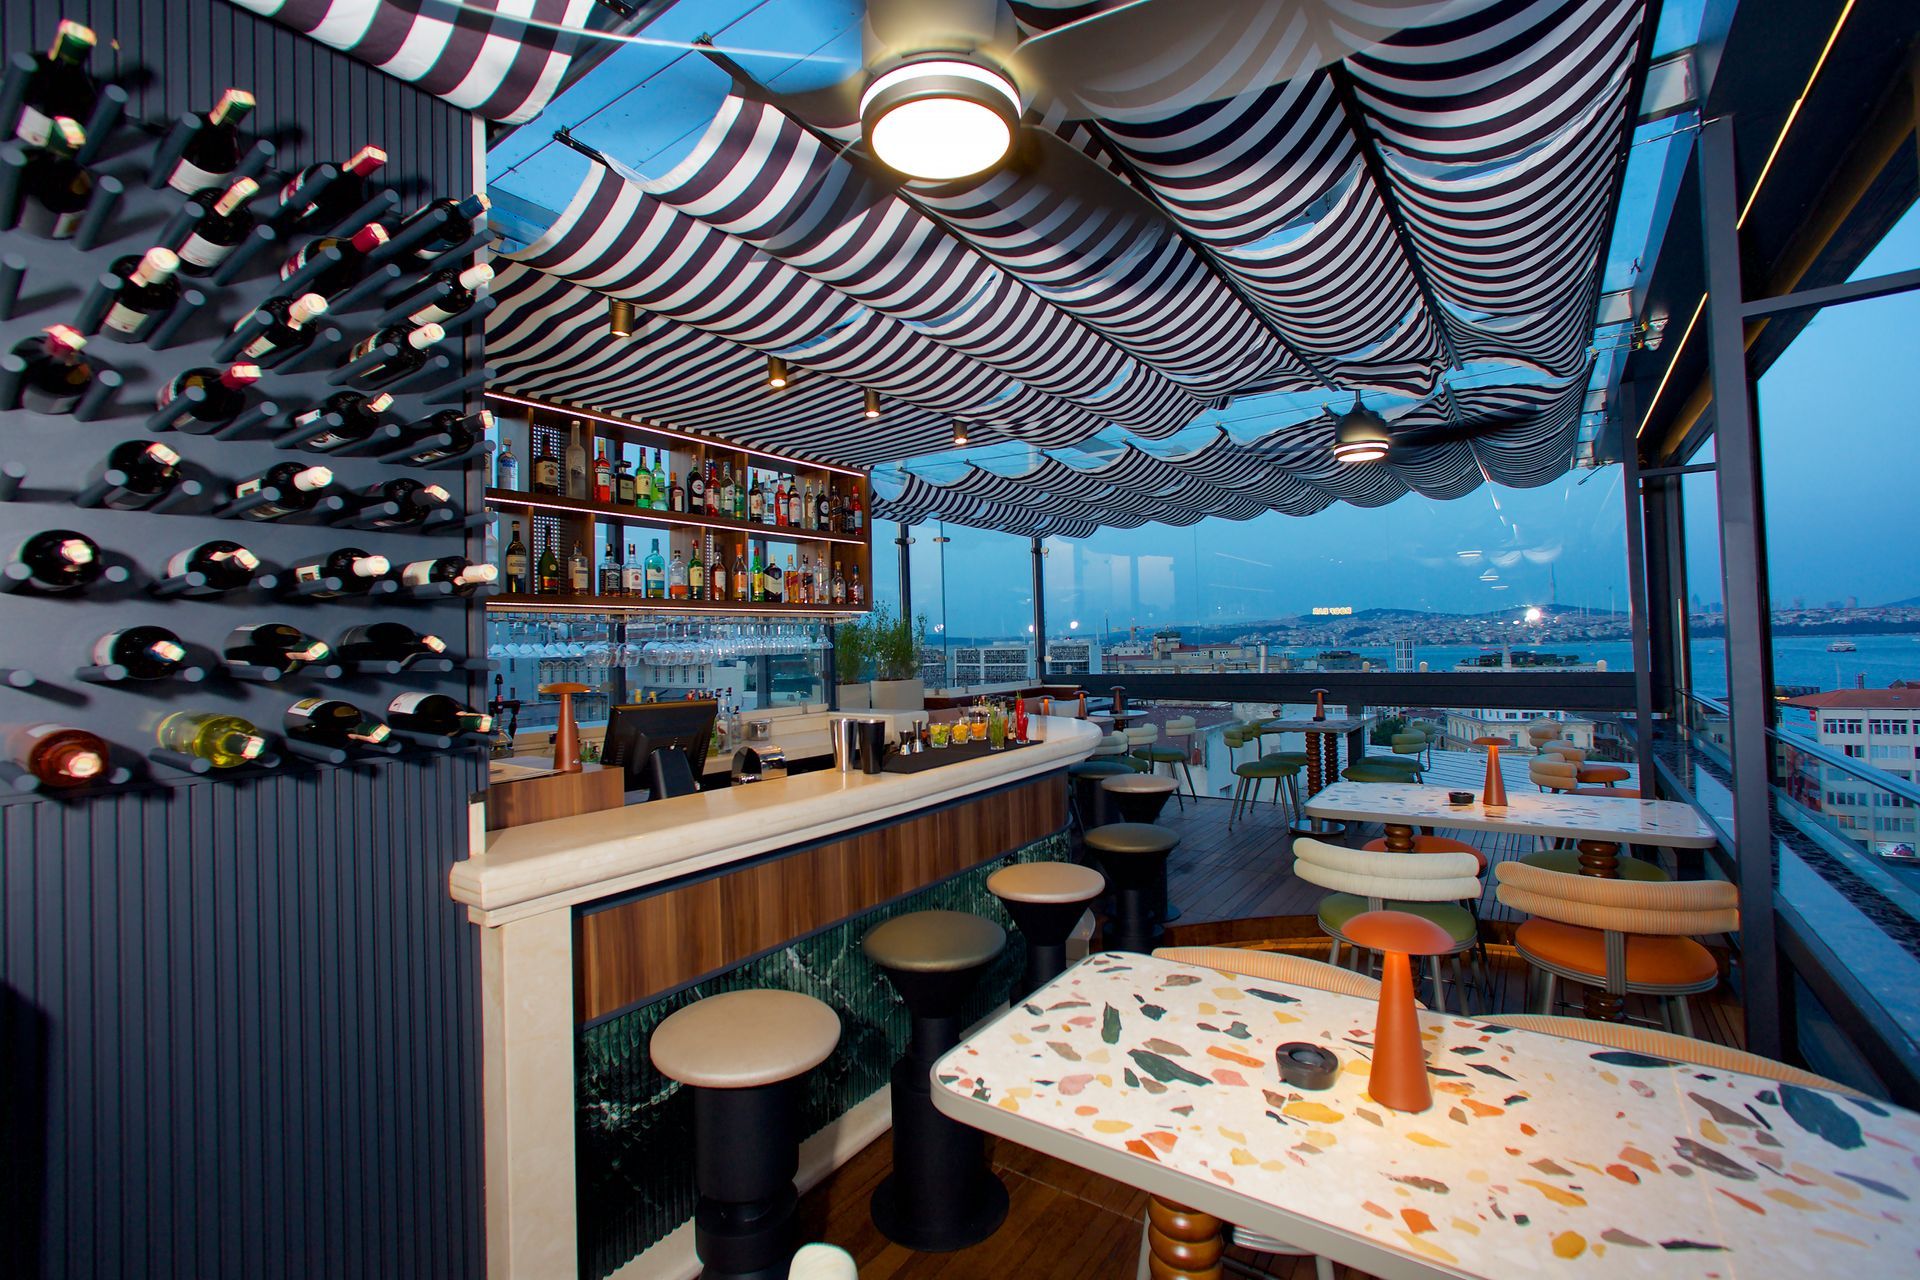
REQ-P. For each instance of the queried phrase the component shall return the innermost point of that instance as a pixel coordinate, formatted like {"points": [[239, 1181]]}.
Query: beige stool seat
{"points": [[745, 1039], [935, 942], [1046, 882], [1131, 837], [1140, 783]]}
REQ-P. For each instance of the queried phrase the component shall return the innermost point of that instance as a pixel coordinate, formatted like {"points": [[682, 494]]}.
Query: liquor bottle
{"points": [[696, 575], [332, 722], [223, 741], [794, 504], [226, 218], [756, 511], [346, 571], [833, 509], [455, 219], [822, 511], [297, 488], [59, 85], [506, 468], [516, 563], [806, 516], [855, 510], [839, 585], [415, 499], [759, 577], [656, 567], [360, 416], [803, 585], [222, 565], [677, 577], [602, 476], [135, 474], [623, 486], [822, 587], [467, 288], [546, 469], [347, 272], [59, 561], [740, 579], [347, 192], [147, 291], [144, 653], [412, 347], [576, 462], [643, 484], [58, 372], [57, 188], [697, 487], [718, 578], [57, 755], [387, 642], [781, 500], [547, 572], [214, 150], [226, 395], [676, 492], [447, 434], [436, 713], [856, 594], [610, 568], [274, 645], [290, 328], [633, 576], [790, 582], [659, 480], [463, 574], [579, 572]]}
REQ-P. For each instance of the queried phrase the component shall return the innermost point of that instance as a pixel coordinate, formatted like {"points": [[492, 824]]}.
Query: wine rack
{"points": [[48, 461]]}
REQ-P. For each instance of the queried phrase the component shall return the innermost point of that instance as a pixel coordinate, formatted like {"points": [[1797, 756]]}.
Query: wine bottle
{"points": [[359, 415], [274, 645], [58, 755], [462, 433], [579, 572], [226, 395], [346, 571], [223, 741], [676, 493], [516, 563], [222, 565], [467, 287], [58, 562], [59, 86], [135, 474], [214, 150], [147, 291], [332, 722], [453, 220], [226, 219], [659, 482], [856, 594], [547, 572], [415, 499], [696, 575], [464, 575], [387, 642], [412, 344], [57, 188], [347, 272], [436, 713], [144, 653], [339, 198], [58, 372], [290, 326], [296, 488]]}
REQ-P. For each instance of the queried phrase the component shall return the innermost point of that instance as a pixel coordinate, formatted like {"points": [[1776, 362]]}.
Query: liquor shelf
{"points": [[653, 516], [575, 603]]}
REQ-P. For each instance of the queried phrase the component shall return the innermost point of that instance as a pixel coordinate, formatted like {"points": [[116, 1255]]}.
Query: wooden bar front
{"points": [[630, 950]]}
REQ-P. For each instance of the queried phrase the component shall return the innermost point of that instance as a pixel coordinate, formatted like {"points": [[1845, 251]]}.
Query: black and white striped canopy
{"points": [[499, 69], [1423, 222]]}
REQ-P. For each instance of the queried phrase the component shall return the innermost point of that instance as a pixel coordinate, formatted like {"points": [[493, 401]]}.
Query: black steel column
{"points": [[1743, 568], [1040, 672], [901, 545], [1638, 596]]}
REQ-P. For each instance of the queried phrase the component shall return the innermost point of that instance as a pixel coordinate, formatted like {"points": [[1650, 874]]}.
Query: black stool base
{"points": [[964, 1222], [746, 1241]]}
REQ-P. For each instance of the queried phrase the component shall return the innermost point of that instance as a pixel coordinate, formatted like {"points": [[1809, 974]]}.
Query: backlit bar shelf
{"points": [[627, 604], [506, 498]]}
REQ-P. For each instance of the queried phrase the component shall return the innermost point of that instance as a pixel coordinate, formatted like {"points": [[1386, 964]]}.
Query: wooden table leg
{"points": [[1316, 778], [1330, 743], [1183, 1244], [1604, 1006], [1600, 858], [1399, 837]]}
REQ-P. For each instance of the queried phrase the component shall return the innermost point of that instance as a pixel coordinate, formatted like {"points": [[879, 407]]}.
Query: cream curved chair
{"points": [[1665, 1044], [1111, 744], [1540, 733], [1429, 885], [1625, 937], [1551, 773], [1563, 750], [823, 1262]]}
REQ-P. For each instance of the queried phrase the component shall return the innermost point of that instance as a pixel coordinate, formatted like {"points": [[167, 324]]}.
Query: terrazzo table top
{"points": [[1545, 813], [1540, 1156]]}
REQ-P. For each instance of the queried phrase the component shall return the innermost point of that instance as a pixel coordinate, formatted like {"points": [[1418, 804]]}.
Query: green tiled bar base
{"points": [[635, 1142]]}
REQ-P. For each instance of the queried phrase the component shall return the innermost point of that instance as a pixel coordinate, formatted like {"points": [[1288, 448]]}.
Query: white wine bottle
{"points": [[223, 741]]}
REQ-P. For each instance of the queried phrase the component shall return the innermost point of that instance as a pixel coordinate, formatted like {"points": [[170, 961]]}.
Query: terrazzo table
{"points": [[1540, 1156], [1323, 757], [1597, 825]]}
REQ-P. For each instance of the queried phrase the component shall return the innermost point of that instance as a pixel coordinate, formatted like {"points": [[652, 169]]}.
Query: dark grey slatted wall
{"points": [[239, 1021]]}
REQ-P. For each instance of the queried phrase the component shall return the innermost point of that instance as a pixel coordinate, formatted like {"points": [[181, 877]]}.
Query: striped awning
{"points": [[499, 69], [1423, 222]]}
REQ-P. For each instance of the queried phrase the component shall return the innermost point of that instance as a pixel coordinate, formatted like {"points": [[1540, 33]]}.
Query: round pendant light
{"points": [[776, 372], [620, 317], [941, 116], [1360, 435]]}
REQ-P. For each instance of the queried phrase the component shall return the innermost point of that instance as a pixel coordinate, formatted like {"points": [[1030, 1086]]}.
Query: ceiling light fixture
{"points": [[872, 403], [959, 434], [620, 317], [940, 116], [776, 372], [1360, 435]]}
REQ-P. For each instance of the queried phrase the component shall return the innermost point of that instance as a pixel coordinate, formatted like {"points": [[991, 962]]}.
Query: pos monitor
{"points": [[635, 730]]}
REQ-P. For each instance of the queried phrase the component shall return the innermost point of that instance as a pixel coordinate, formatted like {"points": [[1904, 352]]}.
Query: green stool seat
{"points": [[1336, 909], [1163, 755], [1264, 768], [1131, 837], [1298, 759], [1373, 772], [1099, 768], [1568, 861]]}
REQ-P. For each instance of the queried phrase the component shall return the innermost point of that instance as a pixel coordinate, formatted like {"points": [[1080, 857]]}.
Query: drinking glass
{"points": [[996, 730]]}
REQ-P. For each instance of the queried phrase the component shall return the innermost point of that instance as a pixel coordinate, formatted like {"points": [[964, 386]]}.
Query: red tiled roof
{"points": [[1860, 700]]}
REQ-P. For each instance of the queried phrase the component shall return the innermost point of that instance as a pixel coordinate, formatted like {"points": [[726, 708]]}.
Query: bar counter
{"points": [[594, 927]]}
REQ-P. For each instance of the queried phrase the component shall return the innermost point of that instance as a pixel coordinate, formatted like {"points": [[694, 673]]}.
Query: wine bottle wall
{"points": [[221, 370]]}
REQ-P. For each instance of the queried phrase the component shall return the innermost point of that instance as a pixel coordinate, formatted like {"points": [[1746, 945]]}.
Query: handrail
{"points": [[1908, 791], [1505, 690]]}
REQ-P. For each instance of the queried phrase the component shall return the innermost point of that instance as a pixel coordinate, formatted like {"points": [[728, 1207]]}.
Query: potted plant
{"points": [[851, 646], [894, 643]]}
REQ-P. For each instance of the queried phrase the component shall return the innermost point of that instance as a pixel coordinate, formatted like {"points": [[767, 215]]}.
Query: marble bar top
{"points": [[1545, 813], [545, 866]]}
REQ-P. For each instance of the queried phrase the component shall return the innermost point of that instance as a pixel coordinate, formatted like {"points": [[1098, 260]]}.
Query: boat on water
{"points": [[1842, 646]]}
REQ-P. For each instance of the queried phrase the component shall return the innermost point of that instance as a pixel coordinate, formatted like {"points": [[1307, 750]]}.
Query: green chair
{"points": [[1411, 746], [1429, 885], [1255, 772], [1568, 861], [1376, 771], [1179, 731]]}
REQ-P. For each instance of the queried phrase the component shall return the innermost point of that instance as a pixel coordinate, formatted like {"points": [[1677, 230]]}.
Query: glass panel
{"points": [[1706, 620], [975, 590]]}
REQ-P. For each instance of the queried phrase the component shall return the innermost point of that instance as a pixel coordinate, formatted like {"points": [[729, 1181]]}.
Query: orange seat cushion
{"points": [[1602, 773], [1613, 793], [1433, 844], [1651, 961]]}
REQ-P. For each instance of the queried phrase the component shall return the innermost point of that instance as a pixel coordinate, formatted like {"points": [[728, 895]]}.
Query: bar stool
{"points": [[941, 1194], [1135, 857], [740, 1054], [1045, 899], [1142, 798], [1084, 778]]}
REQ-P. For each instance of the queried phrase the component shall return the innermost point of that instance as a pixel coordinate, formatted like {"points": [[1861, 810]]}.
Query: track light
{"points": [[1360, 435], [941, 116], [620, 317], [959, 434], [872, 400], [776, 372]]}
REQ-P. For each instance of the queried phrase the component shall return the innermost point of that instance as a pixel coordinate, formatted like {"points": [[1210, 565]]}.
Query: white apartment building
{"points": [[1882, 728]]}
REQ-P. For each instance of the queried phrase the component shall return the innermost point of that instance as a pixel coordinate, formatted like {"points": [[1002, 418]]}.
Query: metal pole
{"points": [[1743, 567], [1637, 598], [901, 545], [1040, 671]]}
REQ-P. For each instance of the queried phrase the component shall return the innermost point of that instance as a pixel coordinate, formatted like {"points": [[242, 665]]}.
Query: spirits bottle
{"points": [[579, 572], [436, 713], [741, 581], [409, 351], [467, 286], [58, 86], [856, 594], [57, 562], [623, 486], [791, 582], [856, 511], [676, 493], [214, 150], [602, 476], [546, 469], [759, 576], [347, 191], [659, 480], [296, 488], [147, 291], [794, 504], [839, 585], [719, 579], [656, 567], [344, 274], [463, 575], [290, 326], [677, 577], [696, 575], [57, 188], [222, 566], [223, 741], [833, 508], [388, 642], [822, 587], [782, 502], [58, 372], [333, 722], [633, 576], [610, 569], [274, 645], [226, 218], [516, 563], [57, 755], [144, 653], [135, 474], [803, 584], [346, 571], [697, 487], [506, 468], [822, 513], [226, 395], [754, 509], [550, 581], [576, 462]]}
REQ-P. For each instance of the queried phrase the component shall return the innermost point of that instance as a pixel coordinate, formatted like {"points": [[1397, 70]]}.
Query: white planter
{"points": [[899, 695], [856, 697]]}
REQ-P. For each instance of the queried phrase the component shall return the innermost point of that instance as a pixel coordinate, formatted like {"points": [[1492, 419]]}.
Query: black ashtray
{"points": [[1459, 797], [1306, 1066]]}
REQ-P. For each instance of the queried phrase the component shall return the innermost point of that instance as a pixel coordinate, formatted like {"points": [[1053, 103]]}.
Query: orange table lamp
{"points": [[1493, 794], [566, 737], [1398, 1079]]}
